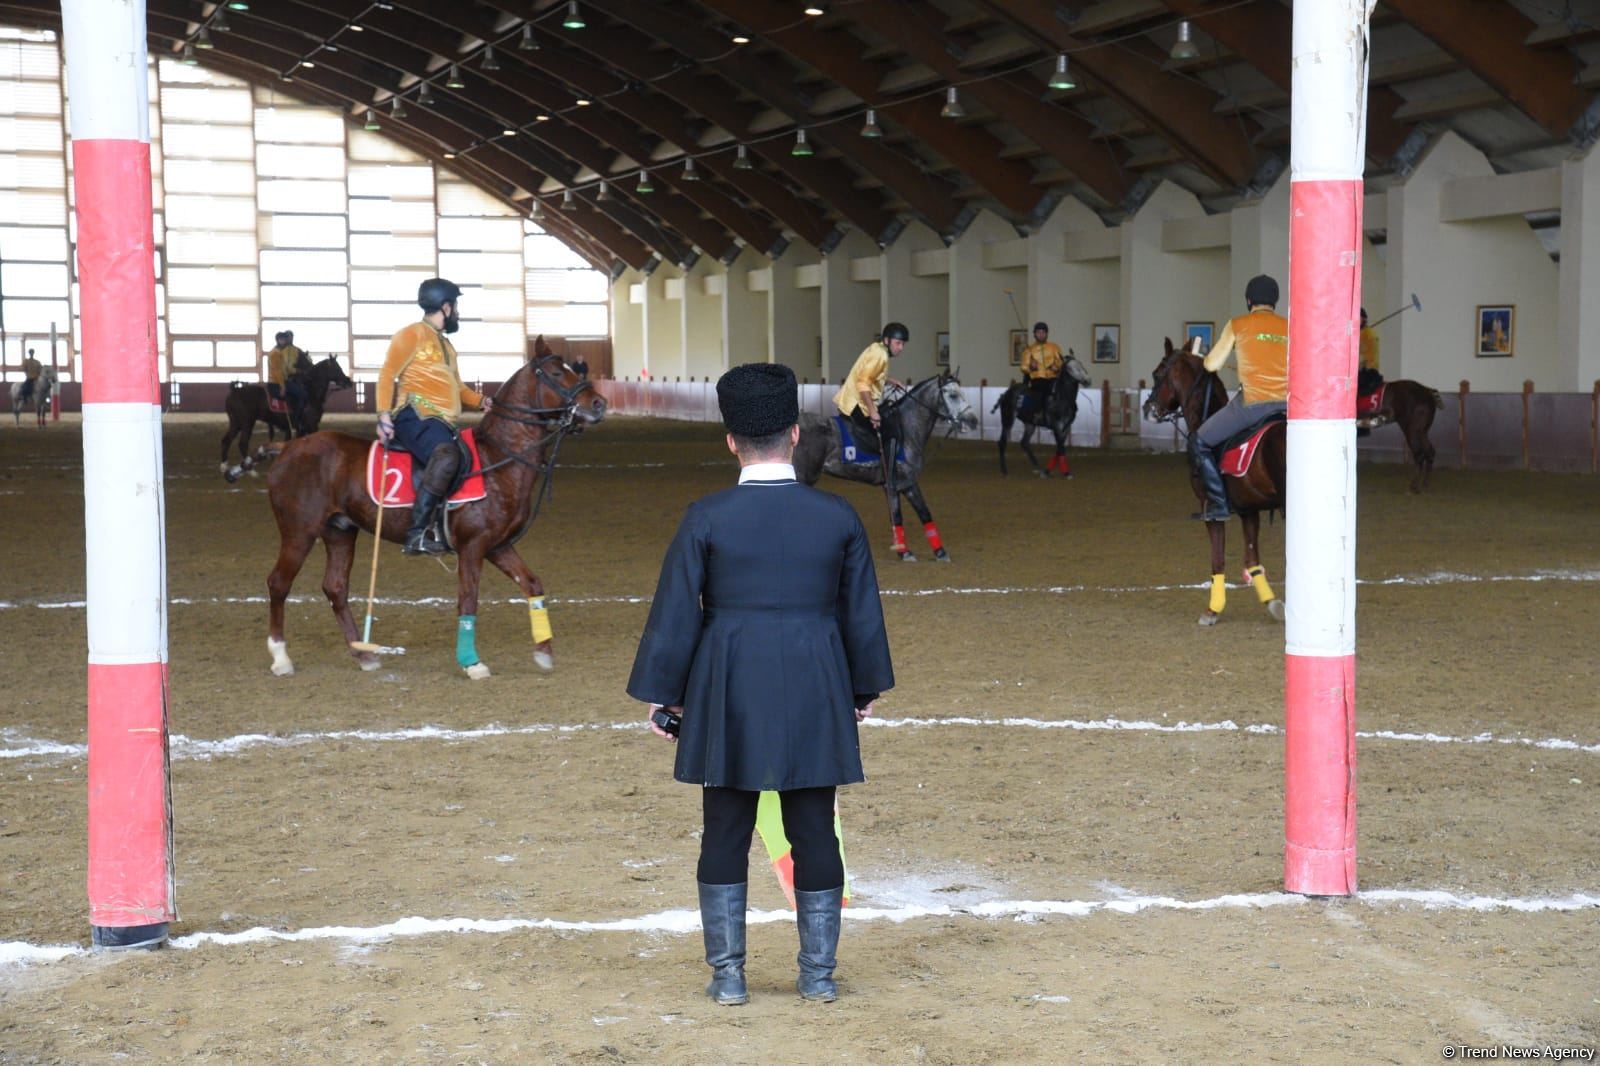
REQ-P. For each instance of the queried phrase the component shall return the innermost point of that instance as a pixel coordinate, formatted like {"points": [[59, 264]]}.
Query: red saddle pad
{"points": [[396, 475], [1368, 405], [277, 406], [1236, 460]]}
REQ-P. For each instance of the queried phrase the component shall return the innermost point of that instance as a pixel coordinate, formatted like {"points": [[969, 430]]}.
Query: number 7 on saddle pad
{"points": [[769, 823]]}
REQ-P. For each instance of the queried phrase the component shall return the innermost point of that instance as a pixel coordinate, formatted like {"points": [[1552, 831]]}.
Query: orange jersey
{"points": [[420, 371], [1261, 339]]}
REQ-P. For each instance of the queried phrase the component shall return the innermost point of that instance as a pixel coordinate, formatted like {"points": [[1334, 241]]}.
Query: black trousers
{"points": [[730, 819]]}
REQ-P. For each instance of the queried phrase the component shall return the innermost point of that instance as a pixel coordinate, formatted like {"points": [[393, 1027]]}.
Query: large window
{"points": [[270, 214]]}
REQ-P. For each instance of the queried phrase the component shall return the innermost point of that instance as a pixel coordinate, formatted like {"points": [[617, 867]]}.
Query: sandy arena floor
{"points": [[1063, 875]]}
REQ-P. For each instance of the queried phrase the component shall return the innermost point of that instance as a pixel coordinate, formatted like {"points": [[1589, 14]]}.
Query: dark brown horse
{"points": [[247, 404], [1183, 388], [318, 489], [1410, 405]]}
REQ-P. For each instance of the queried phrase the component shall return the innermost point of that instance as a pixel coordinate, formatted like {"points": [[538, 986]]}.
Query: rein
{"points": [[1176, 415]]}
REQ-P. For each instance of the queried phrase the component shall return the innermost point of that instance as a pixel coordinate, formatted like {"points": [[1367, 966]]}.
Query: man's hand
{"points": [[657, 730], [385, 428], [486, 405], [863, 713]]}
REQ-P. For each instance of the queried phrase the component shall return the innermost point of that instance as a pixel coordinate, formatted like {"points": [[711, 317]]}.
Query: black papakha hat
{"points": [[758, 399]]}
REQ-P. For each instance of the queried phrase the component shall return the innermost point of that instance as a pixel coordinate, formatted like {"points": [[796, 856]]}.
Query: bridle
{"points": [[1175, 416]]}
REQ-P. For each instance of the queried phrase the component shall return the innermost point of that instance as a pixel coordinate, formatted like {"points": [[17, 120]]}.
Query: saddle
{"points": [[277, 406], [856, 452], [401, 475], [1240, 451]]}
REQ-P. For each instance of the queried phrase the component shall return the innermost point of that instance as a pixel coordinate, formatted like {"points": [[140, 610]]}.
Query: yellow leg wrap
{"points": [[539, 616], [1258, 578], [1219, 593]]}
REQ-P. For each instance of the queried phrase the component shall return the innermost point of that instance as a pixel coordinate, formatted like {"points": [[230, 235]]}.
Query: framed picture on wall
{"points": [[1018, 343], [1497, 330], [941, 346], [1206, 331], [1106, 343]]}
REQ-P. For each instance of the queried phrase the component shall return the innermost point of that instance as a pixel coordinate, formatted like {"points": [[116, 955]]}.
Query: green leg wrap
{"points": [[466, 640]]}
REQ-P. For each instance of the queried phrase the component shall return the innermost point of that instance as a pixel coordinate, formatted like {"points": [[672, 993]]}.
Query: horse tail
{"points": [[1436, 399]]}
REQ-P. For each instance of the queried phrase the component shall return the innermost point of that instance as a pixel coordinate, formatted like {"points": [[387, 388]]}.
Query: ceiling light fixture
{"points": [[582, 102], [541, 118], [308, 64], [371, 125], [508, 132], [219, 21], [425, 95], [1183, 48], [644, 183], [813, 10], [689, 172], [740, 38], [449, 155], [574, 17], [604, 194], [1060, 77], [870, 128], [454, 80], [286, 76], [538, 209], [489, 61], [187, 58], [396, 108], [528, 43], [801, 146], [742, 160], [567, 202], [952, 105], [238, 5], [357, 29], [202, 39]]}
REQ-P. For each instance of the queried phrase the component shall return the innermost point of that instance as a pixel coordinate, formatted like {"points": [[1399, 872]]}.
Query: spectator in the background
{"points": [[580, 367]]}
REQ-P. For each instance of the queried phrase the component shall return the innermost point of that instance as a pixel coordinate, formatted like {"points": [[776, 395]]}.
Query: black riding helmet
{"points": [[896, 331], [1037, 326], [436, 292], [1261, 291]]}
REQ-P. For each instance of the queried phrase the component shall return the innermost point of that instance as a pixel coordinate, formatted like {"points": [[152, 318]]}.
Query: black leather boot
{"points": [[818, 914], [722, 920], [1205, 466], [418, 541]]}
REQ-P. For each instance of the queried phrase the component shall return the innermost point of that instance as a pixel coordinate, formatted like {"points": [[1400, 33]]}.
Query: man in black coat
{"points": [[766, 635]]}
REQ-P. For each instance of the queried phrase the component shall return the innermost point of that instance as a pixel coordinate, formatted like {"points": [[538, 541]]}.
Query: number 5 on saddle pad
{"points": [[769, 823]]}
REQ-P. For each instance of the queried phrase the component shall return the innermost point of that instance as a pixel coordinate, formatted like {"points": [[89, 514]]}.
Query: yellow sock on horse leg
{"points": [[540, 619], [1258, 578], [1219, 593]]}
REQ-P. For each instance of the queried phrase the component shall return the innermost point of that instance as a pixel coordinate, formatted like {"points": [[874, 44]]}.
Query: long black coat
{"points": [[766, 626]]}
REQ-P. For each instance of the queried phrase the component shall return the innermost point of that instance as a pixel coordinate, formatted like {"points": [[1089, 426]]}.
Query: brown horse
{"points": [[248, 404], [1183, 388], [1410, 405], [318, 489]]}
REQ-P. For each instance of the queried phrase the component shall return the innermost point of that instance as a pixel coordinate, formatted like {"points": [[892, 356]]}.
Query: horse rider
{"points": [[30, 377], [860, 398], [1368, 379], [1261, 339], [768, 579], [1042, 364], [285, 365], [419, 399]]}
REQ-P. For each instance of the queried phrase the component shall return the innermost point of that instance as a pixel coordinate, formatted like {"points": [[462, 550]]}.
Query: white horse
{"points": [[43, 388]]}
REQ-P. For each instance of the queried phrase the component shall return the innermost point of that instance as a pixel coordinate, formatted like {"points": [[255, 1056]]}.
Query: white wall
{"points": [[1070, 296], [663, 324], [744, 313], [1162, 290], [702, 319], [981, 319], [1454, 267], [922, 302], [1578, 361], [794, 314], [849, 307], [627, 326]]}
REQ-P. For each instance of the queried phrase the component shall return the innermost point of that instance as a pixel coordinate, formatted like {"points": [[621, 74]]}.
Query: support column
{"points": [[702, 319], [981, 319], [663, 323], [849, 303], [1326, 158], [1579, 330], [744, 313], [627, 324], [131, 896], [794, 311], [913, 290]]}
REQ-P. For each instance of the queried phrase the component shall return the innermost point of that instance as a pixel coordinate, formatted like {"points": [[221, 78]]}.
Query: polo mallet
{"points": [[1414, 305], [1012, 300], [365, 643]]}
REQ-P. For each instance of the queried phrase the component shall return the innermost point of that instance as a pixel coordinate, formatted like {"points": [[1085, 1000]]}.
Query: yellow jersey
{"points": [[1042, 360], [283, 363], [1262, 341], [868, 374], [420, 372], [1369, 349], [31, 368]]}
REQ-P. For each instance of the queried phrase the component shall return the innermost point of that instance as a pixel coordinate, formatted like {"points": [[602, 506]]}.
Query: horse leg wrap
{"points": [[900, 540], [467, 640], [1257, 575], [1219, 593], [932, 532], [539, 616]]}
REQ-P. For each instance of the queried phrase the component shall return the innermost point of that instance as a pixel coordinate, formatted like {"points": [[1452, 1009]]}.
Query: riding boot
{"points": [[418, 540], [722, 921], [1205, 466], [817, 914]]}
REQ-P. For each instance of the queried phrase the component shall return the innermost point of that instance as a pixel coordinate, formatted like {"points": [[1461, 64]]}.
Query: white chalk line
{"points": [[684, 922], [14, 746], [1434, 578]]}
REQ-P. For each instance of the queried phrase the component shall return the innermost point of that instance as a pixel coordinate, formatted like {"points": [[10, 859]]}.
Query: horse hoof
{"points": [[544, 661], [942, 556], [369, 663], [1276, 609], [223, 468], [478, 671], [1209, 619], [907, 557], [282, 665]]}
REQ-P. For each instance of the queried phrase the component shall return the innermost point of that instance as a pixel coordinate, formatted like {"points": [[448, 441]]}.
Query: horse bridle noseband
{"points": [[1175, 416]]}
